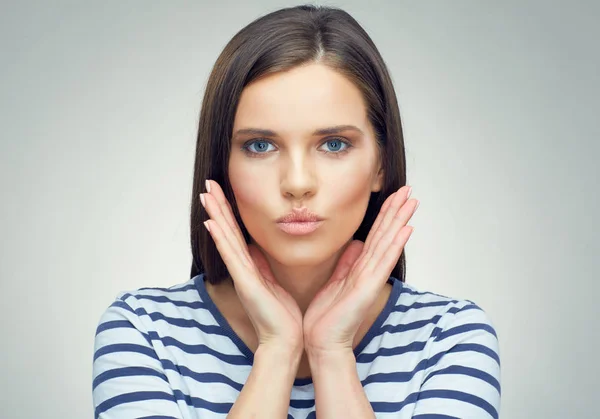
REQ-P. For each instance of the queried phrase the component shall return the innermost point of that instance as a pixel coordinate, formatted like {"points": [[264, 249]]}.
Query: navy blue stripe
{"points": [[391, 407], [204, 377], [125, 347], [407, 290], [395, 377], [179, 322], [127, 372], [139, 396], [365, 358], [475, 347], [466, 307], [399, 328], [471, 372], [124, 324], [401, 308], [114, 324], [123, 305], [172, 289], [302, 404], [203, 404], [464, 347], [203, 349], [130, 398], [164, 299], [465, 328], [461, 396], [299, 382]]}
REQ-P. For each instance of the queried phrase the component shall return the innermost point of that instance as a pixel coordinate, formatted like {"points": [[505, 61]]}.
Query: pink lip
{"points": [[299, 215], [300, 228]]}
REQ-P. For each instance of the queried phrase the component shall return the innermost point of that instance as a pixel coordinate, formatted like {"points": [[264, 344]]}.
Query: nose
{"points": [[298, 178]]}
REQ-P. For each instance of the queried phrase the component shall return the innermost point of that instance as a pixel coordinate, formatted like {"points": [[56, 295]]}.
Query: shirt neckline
{"points": [[229, 332]]}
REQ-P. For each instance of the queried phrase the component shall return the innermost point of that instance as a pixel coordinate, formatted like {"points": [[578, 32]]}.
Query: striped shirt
{"points": [[170, 353]]}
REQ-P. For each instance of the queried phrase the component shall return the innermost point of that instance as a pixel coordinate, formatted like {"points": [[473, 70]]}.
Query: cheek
{"points": [[250, 192], [351, 203], [350, 195]]}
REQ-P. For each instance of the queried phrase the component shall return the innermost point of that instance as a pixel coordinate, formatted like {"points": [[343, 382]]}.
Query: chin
{"points": [[303, 254]]}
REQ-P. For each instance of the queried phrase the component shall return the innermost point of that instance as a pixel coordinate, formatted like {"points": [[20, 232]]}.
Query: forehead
{"points": [[301, 99]]}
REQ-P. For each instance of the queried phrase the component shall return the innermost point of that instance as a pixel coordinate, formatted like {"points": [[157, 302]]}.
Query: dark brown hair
{"points": [[280, 41]]}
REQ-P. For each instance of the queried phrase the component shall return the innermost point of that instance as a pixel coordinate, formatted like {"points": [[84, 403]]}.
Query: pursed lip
{"points": [[299, 215]]}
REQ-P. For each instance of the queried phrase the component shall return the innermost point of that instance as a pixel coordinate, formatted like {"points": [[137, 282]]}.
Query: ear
{"points": [[377, 181]]}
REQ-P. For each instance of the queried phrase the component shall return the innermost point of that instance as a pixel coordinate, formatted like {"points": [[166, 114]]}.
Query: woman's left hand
{"points": [[335, 314]]}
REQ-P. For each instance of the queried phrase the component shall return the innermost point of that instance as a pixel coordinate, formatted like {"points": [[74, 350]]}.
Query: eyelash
{"points": [[247, 144]]}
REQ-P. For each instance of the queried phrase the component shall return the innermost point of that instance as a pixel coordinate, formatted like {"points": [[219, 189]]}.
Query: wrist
{"points": [[289, 354], [331, 356], [329, 351]]}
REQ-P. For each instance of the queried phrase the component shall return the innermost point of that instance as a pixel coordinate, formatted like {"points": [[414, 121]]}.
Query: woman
{"points": [[296, 305]]}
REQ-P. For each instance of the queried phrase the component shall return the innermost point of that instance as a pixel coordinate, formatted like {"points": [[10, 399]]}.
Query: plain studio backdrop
{"points": [[99, 109]]}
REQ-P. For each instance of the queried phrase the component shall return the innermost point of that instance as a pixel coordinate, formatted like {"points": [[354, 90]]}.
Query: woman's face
{"points": [[332, 174]]}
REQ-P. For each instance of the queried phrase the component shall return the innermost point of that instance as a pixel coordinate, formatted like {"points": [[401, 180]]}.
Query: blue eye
{"points": [[339, 140], [261, 145]]}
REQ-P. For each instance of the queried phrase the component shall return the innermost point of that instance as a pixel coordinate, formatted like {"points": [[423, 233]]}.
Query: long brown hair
{"points": [[276, 42]]}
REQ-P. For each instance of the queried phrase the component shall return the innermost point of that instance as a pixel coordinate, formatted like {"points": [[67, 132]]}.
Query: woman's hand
{"points": [[273, 312], [335, 314]]}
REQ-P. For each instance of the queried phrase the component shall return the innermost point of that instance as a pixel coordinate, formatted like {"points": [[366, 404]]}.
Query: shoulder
{"points": [[143, 307], [131, 371], [182, 294], [452, 329], [442, 311], [461, 358], [442, 323]]}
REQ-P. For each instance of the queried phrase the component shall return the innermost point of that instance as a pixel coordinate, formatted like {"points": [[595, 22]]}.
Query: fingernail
{"points": [[206, 225], [418, 203], [207, 183], [409, 192], [202, 200]]}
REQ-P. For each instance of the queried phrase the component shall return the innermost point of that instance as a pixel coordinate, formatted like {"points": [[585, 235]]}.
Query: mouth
{"points": [[299, 215], [300, 228]]}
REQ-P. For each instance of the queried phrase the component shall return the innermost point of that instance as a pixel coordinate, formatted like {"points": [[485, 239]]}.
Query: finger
{"points": [[386, 214], [237, 266], [386, 245], [385, 266], [217, 192], [218, 217], [386, 228], [377, 222]]}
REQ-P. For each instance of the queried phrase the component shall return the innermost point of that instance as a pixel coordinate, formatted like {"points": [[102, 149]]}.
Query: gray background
{"points": [[99, 104]]}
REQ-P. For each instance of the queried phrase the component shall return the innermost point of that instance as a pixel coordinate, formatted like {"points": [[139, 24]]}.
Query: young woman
{"points": [[296, 306]]}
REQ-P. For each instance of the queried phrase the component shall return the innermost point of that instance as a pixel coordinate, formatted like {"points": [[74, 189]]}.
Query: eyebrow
{"points": [[321, 131]]}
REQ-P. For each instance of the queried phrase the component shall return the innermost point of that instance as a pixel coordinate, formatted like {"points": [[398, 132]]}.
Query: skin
{"points": [[313, 296]]}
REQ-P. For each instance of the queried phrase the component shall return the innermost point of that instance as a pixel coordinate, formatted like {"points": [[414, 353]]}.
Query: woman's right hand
{"points": [[274, 313]]}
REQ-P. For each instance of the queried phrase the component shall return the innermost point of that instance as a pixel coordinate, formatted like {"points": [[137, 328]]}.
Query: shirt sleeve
{"points": [[129, 380], [463, 372]]}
